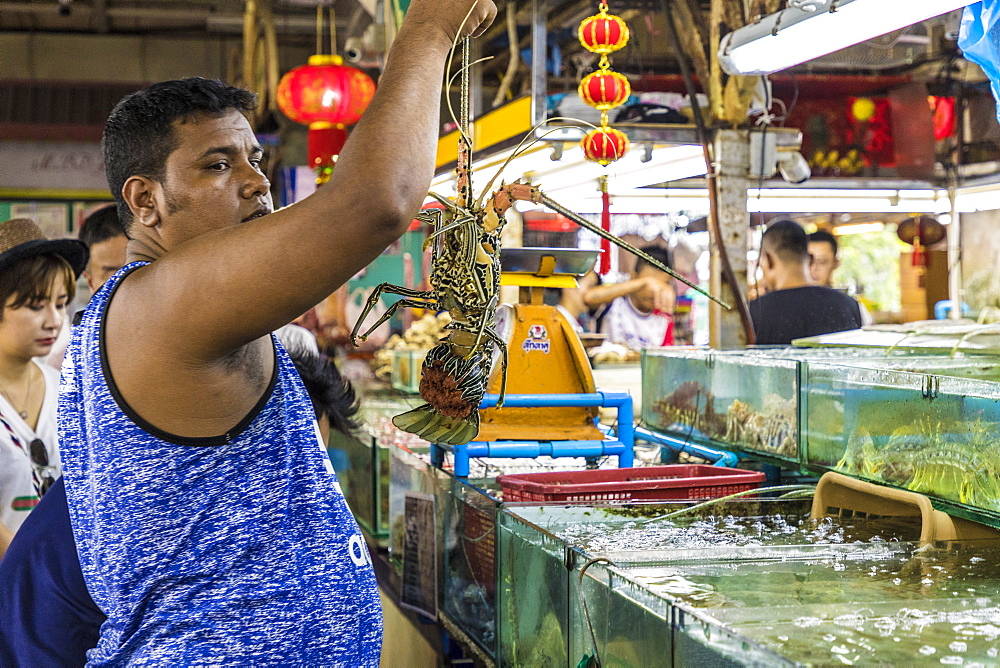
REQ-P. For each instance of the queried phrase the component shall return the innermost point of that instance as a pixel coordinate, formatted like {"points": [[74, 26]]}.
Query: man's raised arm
{"points": [[222, 282]]}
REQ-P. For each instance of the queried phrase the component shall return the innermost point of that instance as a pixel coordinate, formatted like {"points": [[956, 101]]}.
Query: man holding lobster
{"points": [[208, 523]]}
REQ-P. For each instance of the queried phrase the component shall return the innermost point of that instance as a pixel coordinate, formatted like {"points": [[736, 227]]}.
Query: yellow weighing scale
{"points": [[545, 354]]}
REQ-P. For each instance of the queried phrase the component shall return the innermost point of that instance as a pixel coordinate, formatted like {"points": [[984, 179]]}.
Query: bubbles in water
{"points": [[952, 660], [992, 652], [840, 649], [851, 619], [958, 646], [806, 622], [927, 650], [897, 581], [885, 626]]}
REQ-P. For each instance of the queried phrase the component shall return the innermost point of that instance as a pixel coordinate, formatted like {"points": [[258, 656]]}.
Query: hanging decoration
{"points": [[605, 264], [604, 89], [327, 96]]}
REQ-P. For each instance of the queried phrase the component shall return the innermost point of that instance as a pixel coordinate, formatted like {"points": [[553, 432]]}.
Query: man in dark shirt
{"points": [[793, 306]]}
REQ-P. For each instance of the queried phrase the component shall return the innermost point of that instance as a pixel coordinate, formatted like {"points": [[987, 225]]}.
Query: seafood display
{"points": [[957, 461], [689, 412], [773, 429], [926, 433], [690, 407], [740, 401]]}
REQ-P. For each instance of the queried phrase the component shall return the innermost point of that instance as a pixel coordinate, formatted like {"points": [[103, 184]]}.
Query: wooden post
{"points": [[732, 158]]}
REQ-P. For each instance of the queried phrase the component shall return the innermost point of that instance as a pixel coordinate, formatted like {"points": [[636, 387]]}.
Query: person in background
{"points": [[47, 617], [637, 313], [105, 237], [102, 233], [333, 398], [37, 282], [823, 251], [793, 306], [823, 257], [569, 301]]}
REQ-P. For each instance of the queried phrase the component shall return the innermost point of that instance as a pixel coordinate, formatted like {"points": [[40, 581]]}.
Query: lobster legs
{"points": [[411, 296]]}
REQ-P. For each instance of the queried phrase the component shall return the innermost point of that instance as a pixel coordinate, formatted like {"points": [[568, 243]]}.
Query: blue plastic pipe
{"points": [[621, 446], [717, 457]]}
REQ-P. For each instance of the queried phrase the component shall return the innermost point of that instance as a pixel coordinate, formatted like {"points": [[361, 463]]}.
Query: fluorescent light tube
{"points": [[794, 35]]}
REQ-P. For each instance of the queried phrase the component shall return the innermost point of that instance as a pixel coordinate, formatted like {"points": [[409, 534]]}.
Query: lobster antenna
{"points": [[451, 58], [464, 166], [520, 149]]}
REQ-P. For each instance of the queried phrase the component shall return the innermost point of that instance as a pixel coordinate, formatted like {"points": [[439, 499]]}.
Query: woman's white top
{"points": [[17, 491]]}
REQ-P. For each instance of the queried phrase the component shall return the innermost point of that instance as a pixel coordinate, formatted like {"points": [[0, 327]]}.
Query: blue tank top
{"points": [[236, 550]]}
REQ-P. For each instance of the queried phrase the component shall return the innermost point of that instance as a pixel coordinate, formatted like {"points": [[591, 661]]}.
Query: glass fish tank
{"points": [[362, 462], [468, 592], [750, 400], [739, 583], [889, 604], [410, 472], [543, 552], [739, 402], [930, 433]]}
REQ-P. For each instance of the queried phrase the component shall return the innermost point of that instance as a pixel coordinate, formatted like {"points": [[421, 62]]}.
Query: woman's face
{"points": [[31, 330]]}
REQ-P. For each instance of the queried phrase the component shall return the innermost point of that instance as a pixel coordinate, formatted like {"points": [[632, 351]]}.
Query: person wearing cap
{"points": [[37, 282]]}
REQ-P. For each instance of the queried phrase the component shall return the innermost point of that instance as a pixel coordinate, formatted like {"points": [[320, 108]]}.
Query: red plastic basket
{"points": [[654, 483]]}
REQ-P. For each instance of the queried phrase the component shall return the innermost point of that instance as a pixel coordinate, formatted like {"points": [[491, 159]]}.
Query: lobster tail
{"points": [[429, 424]]}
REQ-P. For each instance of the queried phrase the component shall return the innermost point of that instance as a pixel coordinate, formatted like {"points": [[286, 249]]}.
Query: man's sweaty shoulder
{"points": [[163, 380]]}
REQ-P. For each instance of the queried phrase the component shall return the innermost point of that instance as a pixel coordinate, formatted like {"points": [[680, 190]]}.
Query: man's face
{"points": [[822, 262], [106, 257], [213, 179], [646, 299]]}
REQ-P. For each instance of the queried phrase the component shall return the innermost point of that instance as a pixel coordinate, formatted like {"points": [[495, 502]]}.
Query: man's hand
{"points": [[660, 294], [456, 19]]}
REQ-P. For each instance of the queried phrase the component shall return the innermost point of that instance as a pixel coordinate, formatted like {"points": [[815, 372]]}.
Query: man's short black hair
{"points": [[786, 239], [824, 236], [657, 253], [330, 393], [100, 226], [138, 136]]}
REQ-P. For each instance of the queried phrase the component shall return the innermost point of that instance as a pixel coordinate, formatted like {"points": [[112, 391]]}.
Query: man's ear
{"points": [[140, 194], [766, 259]]}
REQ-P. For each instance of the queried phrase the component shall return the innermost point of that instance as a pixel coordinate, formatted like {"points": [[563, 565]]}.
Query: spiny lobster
{"points": [[465, 281]]}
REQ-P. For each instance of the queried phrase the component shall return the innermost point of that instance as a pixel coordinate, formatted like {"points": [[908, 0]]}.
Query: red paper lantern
{"points": [[325, 91], [604, 89], [327, 96], [603, 33], [604, 145]]}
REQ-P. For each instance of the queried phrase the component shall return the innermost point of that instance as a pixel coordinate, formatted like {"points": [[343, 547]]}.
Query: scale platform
{"points": [[545, 354]]}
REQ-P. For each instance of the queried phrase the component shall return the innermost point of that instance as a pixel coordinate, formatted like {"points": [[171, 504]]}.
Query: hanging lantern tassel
{"points": [[325, 143], [605, 266]]}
